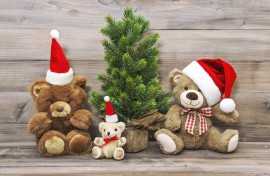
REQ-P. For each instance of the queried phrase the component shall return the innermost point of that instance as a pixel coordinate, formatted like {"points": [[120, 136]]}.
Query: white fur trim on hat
{"points": [[106, 98], [227, 105], [111, 118], [209, 89], [59, 79], [54, 34]]}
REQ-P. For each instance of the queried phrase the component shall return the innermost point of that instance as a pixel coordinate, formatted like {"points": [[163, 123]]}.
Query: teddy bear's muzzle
{"points": [[60, 109], [191, 99]]}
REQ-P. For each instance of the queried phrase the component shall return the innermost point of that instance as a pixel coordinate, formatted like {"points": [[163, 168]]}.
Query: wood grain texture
{"points": [[237, 31], [247, 132], [18, 107], [246, 50], [24, 55], [16, 76], [168, 14], [248, 159], [182, 45]]}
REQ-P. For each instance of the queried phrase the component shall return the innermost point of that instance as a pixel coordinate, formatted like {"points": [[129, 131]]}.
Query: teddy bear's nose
{"points": [[192, 96], [108, 133], [59, 109]]}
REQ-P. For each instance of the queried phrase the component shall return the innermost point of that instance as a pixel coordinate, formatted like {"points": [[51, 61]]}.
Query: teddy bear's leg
{"points": [[119, 153], [222, 142], [52, 143], [79, 142], [97, 152], [168, 142]]}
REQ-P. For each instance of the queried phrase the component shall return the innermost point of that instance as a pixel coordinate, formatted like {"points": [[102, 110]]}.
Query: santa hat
{"points": [[110, 114], [215, 78], [59, 73]]}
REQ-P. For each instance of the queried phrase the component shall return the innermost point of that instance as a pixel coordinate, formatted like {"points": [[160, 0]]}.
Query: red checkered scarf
{"points": [[191, 118]]}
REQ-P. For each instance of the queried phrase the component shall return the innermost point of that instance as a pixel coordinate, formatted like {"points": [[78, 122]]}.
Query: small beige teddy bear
{"points": [[111, 143]]}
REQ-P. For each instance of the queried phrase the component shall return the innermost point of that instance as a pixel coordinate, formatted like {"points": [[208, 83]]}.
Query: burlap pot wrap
{"points": [[137, 131]]}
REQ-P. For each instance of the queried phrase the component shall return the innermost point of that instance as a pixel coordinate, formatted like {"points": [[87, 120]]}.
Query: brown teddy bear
{"points": [[111, 143], [61, 123], [201, 91]]}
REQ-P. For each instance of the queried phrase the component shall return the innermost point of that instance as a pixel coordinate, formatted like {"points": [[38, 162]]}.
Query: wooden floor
{"points": [[236, 30], [250, 159]]}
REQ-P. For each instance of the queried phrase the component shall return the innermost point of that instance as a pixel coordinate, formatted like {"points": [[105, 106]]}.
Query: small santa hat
{"points": [[59, 73], [110, 114], [215, 78]]}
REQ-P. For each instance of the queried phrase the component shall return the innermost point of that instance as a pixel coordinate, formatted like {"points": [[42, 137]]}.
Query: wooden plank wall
{"points": [[237, 31]]}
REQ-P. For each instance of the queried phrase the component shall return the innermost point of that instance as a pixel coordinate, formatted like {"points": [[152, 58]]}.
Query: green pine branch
{"points": [[131, 78]]}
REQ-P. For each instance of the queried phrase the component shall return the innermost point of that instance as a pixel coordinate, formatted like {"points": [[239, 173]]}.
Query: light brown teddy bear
{"points": [[111, 143], [61, 123], [197, 91]]}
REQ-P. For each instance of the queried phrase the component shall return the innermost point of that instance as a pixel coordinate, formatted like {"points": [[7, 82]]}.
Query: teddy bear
{"points": [[201, 92], [61, 123], [111, 143]]}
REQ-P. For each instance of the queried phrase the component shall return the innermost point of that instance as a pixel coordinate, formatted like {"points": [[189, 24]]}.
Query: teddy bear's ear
{"points": [[37, 86], [174, 76], [79, 81], [100, 126], [121, 126]]}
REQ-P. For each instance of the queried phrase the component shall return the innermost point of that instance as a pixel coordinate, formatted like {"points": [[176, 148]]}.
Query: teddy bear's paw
{"points": [[96, 152], [55, 145], [233, 143], [171, 125], [169, 142], [81, 123], [166, 143], [78, 144], [118, 153], [122, 141], [98, 141], [39, 124], [82, 119]]}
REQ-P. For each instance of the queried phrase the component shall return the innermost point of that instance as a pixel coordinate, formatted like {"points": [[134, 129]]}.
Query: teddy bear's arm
{"points": [[39, 124], [98, 141], [121, 142], [173, 121], [225, 117], [82, 119]]}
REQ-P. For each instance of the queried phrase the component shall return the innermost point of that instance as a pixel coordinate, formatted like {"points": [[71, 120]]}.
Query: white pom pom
{"points": [[54, 34], [106, 98], [227, 105]]}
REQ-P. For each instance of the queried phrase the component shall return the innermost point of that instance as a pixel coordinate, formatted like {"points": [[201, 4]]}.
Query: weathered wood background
{"points": [[237, 31]]}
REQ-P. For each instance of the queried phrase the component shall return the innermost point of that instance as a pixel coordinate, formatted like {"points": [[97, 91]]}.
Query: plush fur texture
{"points": [[61, 123], [112, 149], [175, 123]]}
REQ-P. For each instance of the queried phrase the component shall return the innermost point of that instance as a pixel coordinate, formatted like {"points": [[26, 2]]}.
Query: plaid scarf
{"points": [[191, 118]]}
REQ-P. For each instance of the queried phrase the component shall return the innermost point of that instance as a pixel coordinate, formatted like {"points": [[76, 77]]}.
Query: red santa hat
{"points": [[110, 114], [215, 78], [59, 73]]}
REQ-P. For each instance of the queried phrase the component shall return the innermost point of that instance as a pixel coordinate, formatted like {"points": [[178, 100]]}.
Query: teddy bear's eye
{"points": [[186, 88], [199, 90], [104, 130], [115, 129], [68, 100]]}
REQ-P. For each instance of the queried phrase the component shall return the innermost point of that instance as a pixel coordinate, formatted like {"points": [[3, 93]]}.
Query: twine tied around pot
{"points": [[152, 121]]}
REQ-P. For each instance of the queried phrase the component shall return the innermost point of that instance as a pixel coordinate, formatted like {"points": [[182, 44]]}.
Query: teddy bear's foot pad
{"points": [[78, 144], [233, 143], [166, 142], [118, 153], [96, 152], [55, 145]]}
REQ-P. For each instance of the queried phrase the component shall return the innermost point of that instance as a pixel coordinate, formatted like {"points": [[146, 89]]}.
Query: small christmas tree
{"points": [[131, 78]]}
